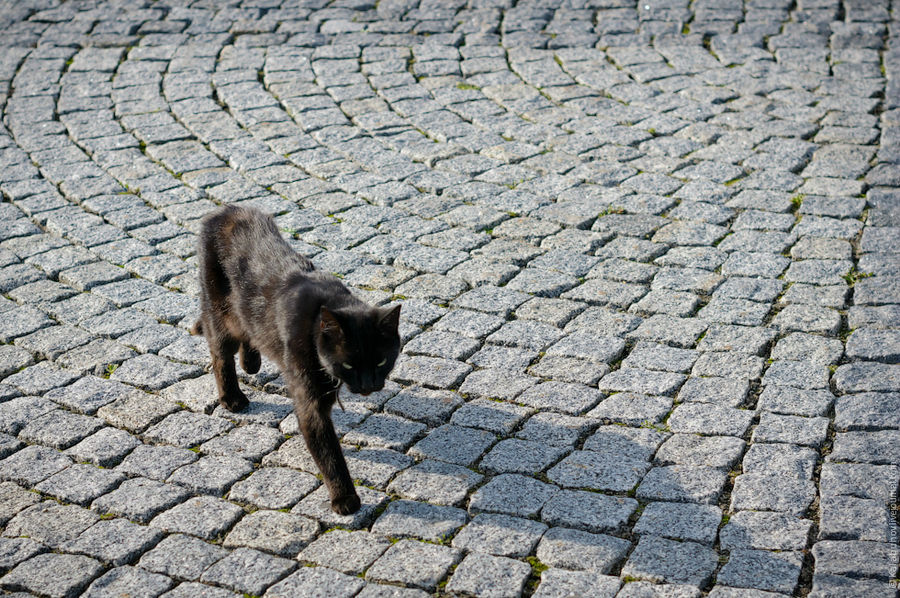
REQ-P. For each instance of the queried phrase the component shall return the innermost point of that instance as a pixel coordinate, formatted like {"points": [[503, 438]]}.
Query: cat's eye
{"points": [[382, 362], [347, 366]]}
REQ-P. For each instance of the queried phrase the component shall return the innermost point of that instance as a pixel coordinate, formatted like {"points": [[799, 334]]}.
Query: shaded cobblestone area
{"points": [[648, 259]]}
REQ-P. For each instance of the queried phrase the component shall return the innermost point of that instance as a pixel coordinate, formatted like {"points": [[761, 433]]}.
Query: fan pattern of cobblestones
{"points": [[648, 259]]}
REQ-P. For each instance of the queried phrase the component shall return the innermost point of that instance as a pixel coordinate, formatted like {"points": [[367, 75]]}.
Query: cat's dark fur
{"points": [[258, 296]]}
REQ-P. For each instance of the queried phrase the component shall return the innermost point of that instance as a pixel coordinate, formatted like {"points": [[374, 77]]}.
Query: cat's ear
{"points": [[328, 324], [390, 319]]}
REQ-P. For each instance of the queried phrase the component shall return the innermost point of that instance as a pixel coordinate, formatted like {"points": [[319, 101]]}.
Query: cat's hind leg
{"points": [[250, 359], [214, 313], [222, 348]]}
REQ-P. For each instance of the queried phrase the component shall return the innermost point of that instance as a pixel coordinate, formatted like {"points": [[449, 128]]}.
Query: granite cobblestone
{"points": [[648, 262]]}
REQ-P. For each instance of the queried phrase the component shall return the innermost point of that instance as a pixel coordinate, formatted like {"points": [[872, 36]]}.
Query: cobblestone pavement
{"points": [[648, 258]]}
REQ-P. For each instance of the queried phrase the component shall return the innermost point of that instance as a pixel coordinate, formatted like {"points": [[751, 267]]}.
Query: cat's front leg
{"points": [[321, 440]]}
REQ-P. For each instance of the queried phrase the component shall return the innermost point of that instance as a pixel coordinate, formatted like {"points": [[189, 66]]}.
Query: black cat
{"points": [[259, 296]]}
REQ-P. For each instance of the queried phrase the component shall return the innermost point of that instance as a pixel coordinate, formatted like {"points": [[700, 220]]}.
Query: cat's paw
{"points": [[236, 401], [197, 328], [345, 505], [250, 359]]}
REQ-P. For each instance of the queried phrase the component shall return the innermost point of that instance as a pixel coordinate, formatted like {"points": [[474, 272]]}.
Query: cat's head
{"points": [[359, 345]]}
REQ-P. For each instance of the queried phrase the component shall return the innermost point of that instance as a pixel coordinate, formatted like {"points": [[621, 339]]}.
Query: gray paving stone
{"points": [[720, 452], [864, 481], [203, 516], [40, 378], [33, 464], [60, 429], [21, 321], [808, 347], [17, 412], [80, 484], [645, 589], [762, 570], [156, 462], [557, 583], [496, 357], [405, 518], [589, 511], [87, 394], [487, 575], [430, 406], [729, 392], [453, 444], [599, 318], [789, 428], [659, 357], [555, 429], [12, 359], [414, 564], [660, 560], [273, 488], [729, 365], [435, 482], [135, 411], [633, 443], [736, 338], [185, 429], [247, 570], [698, 523], [317, 505], [875, 447], [153, 372], [852, 518], [765, 530], [707, 418], [631, 409], [114, 541], [806, 318], [446, 345], [787, 459], [795, 401], [348, 552], [375, 467], [130, 581], [862, 377], [829, 585], [13, 498], [50, 523], [583, 551], [519, 456], [500, 535], [669, 330], [512, 494], [771, 492], [683, 483], [857, 559], [599, 471], [181, 557], [250, 442], [308, 580], [55, 575], [571, 399], [493, 416], [15, 550], [211, 474], [430, 371]]}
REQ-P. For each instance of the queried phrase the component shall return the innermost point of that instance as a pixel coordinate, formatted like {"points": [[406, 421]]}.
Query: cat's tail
{"points": [[197, 328]]}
